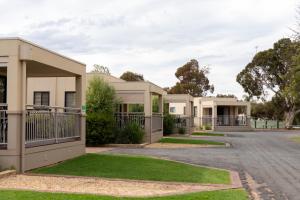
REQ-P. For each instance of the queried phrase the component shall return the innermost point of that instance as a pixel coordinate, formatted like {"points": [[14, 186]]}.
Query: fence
{"points": [[266, 124], [157, 122], [225, 120], [49, 125], [180, 121], [3, 125], [123, 118]]}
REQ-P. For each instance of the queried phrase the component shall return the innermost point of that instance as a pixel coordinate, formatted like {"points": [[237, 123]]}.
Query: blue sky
{"points": [[154, 37]]}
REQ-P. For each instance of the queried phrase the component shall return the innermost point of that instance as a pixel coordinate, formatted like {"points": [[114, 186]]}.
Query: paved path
{"points": [[270, 158]]}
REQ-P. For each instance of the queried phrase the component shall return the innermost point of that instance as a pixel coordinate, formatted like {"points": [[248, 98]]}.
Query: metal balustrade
{"points": [[226, 120], [123, 118], [3, 125], [49, 125], [157, 122]]}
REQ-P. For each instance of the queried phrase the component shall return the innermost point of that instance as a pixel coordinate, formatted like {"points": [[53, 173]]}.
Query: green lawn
{"points": [[296, 139], [189, 141], [136, 167], [213, 195], [207, 134]]}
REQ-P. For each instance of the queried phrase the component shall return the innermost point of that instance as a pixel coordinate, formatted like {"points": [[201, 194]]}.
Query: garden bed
{"points": [[207, 134], [189, 141]]}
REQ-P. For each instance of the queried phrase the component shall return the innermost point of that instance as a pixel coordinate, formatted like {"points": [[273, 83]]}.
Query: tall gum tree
{"points": [[275, 70], [192, 80]]}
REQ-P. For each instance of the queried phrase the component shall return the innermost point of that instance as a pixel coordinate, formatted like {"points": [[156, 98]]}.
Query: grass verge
{"points": [[136, 167], [296, 139], [207, 134], [189, 141], [238, 194]]}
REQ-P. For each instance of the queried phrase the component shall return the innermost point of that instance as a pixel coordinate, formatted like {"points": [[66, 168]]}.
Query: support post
{"points": [[23, 130]]}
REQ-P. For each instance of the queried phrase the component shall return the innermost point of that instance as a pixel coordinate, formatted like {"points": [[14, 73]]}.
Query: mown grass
{"points": [[296, 139], [207, 134], [136, 167], [238, 194], [189, 141]]}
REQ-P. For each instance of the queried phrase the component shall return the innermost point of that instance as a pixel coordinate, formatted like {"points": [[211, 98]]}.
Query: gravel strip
{"points": [[101, 186]]}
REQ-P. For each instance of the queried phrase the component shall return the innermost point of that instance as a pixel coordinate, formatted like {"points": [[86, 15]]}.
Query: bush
{"points": [[169, 124], [181, 130], [101, 104], [207, 127], [132, 133], [100, 129]]}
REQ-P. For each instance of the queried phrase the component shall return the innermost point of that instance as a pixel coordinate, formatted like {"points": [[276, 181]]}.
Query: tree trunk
{"points": [[289, 118]]}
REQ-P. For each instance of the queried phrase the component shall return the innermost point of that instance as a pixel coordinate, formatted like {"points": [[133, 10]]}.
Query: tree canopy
{"points": [[100, 69], [192, 80], [131, 76], [275, 71]]}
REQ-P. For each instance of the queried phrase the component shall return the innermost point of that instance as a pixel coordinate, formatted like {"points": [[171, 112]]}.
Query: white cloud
{"points": [[154, 37]]}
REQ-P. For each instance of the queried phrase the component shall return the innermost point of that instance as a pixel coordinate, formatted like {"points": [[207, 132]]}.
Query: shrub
{"points": [[132, 133], [169, 124], [207, 127], [100, 97], [100, 129], [181, 130], [101, 104]]}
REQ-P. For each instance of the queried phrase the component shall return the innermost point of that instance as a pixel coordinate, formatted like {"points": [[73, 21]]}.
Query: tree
{"points": [[226, 96], [101, 69], [101, 103], [131, 76], [275, 70], [192, 80]]}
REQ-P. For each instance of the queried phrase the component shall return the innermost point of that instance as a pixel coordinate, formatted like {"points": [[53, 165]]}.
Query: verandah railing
{"points": [[49, 125], [3, 125], [225, 120], [123, 118]]}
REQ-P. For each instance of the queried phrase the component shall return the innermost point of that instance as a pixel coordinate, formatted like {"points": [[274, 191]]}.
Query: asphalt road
{"points": [[269, 157]]}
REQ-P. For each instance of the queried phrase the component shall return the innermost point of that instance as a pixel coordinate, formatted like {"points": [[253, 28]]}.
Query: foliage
{"points": [[101, 104], [267, 110], [169, 124], [206, 127], [137, 168], [155, 104], [192, 80], [275, 70], [100, 97], [181, 130], [100, 129], [226, 96], [100, 69], [130, 134], [232, 194], [136, 107], [131, 76]]}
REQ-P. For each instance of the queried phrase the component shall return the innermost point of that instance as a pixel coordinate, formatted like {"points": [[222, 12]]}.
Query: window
{"points": [[184, 110], [172, 110], [41, 98], [70, 99], [195, 111]]}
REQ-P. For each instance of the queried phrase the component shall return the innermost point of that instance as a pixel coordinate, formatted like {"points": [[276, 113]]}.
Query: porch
{"points": [[32, 136], [140, 102], [226, 118], [182, 107]]}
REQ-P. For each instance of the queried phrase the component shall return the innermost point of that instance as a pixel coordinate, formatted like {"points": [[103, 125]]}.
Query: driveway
{"points": [[269, 157]]}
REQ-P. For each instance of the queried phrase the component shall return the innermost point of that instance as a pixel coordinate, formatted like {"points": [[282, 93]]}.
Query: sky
{"points": [[154, 37]]}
